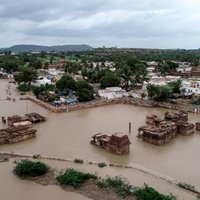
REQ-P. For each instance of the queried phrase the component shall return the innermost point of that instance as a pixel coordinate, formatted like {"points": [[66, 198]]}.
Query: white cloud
{"points": [[128, 23]]}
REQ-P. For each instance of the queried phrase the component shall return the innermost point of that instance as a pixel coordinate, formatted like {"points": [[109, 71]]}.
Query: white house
{"points": [[42, 81], [112, 93]]}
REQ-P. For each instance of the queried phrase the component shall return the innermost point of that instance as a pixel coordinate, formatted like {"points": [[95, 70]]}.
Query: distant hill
{"points": [[38, 48]]}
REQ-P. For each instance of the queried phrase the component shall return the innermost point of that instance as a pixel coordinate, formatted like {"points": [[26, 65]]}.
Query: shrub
{"points": [[187, 186], [102, 164], [80, 161], [30, 169], [122, 187], [36, 156], [148, 193], [24, 87], [195, 102], [74, 177]]}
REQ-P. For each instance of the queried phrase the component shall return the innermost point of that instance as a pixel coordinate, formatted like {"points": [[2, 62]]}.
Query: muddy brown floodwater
{"points": [[68, 135]]}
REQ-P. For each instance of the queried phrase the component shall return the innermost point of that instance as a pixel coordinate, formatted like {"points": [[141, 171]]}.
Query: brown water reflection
{"points": [[67, 135]]}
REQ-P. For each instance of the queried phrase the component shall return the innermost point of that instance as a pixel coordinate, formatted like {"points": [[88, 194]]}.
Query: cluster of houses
{"points": [[188, 87], [185, 72]]}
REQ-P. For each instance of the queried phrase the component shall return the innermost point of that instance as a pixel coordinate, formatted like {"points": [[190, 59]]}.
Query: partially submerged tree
{"points": [[27, 168]]}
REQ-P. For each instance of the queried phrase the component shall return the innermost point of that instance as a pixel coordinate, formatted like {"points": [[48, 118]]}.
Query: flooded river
{"points": [[68, 135]]}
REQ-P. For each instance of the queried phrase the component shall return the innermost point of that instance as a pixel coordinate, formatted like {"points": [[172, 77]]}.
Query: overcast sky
{"points": [[121, 23]]}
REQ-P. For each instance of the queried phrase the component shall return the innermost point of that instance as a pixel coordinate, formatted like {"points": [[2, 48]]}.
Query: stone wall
{"points": [[125, 100], [77, 106]]}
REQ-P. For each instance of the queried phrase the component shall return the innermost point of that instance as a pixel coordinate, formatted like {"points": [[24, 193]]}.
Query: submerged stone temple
{"points": [[16, 134], [160, 131], [28, 119], [117, 143], [19, 128]]}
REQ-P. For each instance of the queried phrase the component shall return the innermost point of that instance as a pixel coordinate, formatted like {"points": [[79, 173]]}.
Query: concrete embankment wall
{"points": [[103, 102], [78, 106], [174, 106]]}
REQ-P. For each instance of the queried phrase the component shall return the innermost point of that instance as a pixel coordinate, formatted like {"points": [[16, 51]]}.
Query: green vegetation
{"points": [[102, 164], [66, 83], [96, 67], [84, 91], [42, 88], [74, 177], [148, 193], [163, 92], [188, 187], [80, 161], [28, 168], [195, 102], [24, 87], [175, 86], [137, 68], [10, 63], [110, 79], [122, 187], [166, 67], [26, 75], [158, 93]]}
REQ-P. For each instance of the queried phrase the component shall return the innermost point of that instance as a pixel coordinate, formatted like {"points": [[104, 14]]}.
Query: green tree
{"points": [[196, 62], [42, 88], [110, 79], [66, 83], [175, 86], [166, 67], [158, 93], [127, 76], [26, 75], [84, 91], [138, 69], [46, 65], [36, 64], [10, 63]]}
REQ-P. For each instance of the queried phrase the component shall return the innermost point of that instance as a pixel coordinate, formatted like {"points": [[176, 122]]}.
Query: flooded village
{"points": [[62, 135], [133, 135]]}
